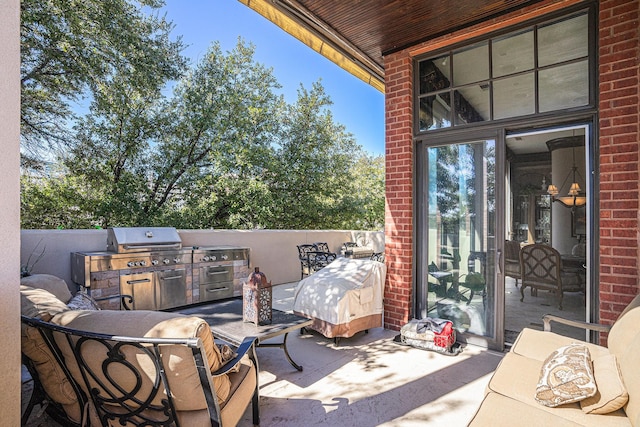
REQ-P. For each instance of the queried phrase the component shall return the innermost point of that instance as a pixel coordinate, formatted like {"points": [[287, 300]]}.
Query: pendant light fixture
{"points": [[575, 197]]}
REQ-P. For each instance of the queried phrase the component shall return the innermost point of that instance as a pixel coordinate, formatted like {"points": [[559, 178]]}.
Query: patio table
{"points": [[226, 322]]}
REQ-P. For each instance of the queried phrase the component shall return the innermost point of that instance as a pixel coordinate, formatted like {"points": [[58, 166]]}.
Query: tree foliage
{"points": [[220, 150], [71, 49]]}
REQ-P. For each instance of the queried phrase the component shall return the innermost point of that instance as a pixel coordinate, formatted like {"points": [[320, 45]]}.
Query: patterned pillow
{"points": [[82, 301], [566, 377]]}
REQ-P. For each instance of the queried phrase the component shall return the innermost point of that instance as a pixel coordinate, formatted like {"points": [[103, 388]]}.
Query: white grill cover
{"points": [[344, 290]]}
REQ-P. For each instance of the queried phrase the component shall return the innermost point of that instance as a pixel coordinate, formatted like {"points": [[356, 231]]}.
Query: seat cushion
{"points": [[40, 303], [516, 377], [243, 385], [182, 374], [501, 411], [539, 345]]}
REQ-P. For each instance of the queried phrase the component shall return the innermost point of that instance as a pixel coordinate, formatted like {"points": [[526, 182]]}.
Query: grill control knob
{"points": [[131, 264], [176, 260], [166, 261], [143, 263], [154, 262], [206, 258], [225, 257]]}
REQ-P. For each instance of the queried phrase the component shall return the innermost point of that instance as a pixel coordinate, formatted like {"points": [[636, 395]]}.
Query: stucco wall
{"points": [[10, 211], [274, 251]]}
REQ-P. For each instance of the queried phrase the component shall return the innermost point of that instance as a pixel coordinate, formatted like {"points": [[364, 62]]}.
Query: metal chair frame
{"points": [[117, 403]]}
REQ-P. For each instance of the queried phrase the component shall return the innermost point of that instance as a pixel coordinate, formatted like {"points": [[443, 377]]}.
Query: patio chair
{"points": [[541, 268], [476, 281], [314, 257], [66, 349], [148, 381]]}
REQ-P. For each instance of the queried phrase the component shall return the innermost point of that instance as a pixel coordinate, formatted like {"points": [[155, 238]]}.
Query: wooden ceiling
{"points": [[364, 31]]}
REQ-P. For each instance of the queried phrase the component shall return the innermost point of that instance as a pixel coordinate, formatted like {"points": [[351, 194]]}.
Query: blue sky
{"points": [[356, 105]]}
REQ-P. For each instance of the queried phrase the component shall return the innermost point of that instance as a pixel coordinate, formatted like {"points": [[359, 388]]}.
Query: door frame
{"points": [[420, 213], [498, 132]]}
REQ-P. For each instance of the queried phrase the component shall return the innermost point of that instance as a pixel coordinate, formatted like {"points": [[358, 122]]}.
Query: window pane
{"points": [[471, 104], [513, 96], [435, 112], [471, 65], [460, 236], [564, 86], [563, 41], [434, 75], [513, 54]]}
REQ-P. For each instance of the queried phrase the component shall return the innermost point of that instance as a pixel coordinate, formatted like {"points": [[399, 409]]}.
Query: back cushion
{"points": [[182, 375], [624, 342], [48, 282], [623, 331], [41, 304]]}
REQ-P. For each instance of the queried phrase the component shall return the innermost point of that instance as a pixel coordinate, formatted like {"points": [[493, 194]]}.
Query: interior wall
{"points": [[10, 211]]}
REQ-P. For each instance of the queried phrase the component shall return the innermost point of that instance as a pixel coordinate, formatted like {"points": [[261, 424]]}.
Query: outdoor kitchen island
{"points": [[150, 264]]}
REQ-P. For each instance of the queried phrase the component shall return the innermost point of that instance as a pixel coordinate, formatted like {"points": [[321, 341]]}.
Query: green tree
{"points": [[313, 158], [224, 115], [189, 161], [365, 195], [72, 49]]}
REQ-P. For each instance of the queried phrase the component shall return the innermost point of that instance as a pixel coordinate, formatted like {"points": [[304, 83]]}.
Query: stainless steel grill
{"points": [[150, 264], [147, 263], [142, 239]]}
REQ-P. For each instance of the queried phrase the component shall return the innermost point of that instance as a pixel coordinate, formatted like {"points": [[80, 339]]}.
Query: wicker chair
{"points": [[541, 267]]}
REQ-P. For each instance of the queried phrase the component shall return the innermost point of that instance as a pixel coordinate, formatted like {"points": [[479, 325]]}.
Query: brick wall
{"points": [[619, 73], [619, 138], [399, 190]]}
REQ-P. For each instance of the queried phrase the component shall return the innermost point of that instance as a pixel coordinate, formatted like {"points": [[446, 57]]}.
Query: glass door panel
{"points": [[458, 236]]}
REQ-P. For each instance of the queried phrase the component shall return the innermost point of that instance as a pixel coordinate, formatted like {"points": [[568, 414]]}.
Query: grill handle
{"points": [[152, 247], [216, 290], [172, 277], [133, 282], [215, 273]]}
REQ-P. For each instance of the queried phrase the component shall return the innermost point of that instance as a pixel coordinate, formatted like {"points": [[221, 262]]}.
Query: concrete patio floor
{"points": [[367, 380]]}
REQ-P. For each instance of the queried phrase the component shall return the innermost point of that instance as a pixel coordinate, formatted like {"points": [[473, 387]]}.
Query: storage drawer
{"points": [[216, 274], [215, 291]]}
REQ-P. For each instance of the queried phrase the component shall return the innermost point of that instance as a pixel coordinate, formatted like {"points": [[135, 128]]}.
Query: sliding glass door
{"points": [[457, 235]]}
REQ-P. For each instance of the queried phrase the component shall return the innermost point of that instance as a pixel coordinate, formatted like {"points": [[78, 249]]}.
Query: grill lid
{"points": [[141, 239]]}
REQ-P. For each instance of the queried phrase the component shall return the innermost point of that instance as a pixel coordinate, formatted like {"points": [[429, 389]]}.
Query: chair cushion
{"points": [[612, 394], [40, 303], [566, 377], [182, 375], [48, 282], [538, 344]]}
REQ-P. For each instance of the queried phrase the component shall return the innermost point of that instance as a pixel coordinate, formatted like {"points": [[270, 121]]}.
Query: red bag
{"points": [[430, 334]]}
